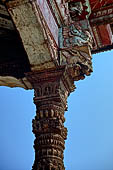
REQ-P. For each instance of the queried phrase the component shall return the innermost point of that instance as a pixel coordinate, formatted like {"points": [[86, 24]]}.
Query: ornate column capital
{"points": [[52, 83]]}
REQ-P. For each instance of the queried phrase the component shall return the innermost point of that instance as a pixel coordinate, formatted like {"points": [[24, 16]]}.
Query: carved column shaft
{"points": [[51, 91]]}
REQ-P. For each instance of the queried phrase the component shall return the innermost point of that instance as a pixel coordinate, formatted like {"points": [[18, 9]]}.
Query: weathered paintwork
{"points": [[55, 9], [73, 35], [46, 12]]}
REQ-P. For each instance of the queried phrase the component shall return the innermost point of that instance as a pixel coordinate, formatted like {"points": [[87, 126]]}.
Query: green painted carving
{"points": [[88, 9], [73, 35]]}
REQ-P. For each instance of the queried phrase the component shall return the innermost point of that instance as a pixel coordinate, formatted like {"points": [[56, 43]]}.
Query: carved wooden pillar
{"points": [[51, 91], [58, 56]]}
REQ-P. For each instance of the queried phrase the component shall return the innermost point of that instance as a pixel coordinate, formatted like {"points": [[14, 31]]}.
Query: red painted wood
{"points": [[105, 34], [97, 4]]}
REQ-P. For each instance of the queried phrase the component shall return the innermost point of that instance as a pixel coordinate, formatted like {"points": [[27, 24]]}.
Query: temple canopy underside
{"points": [[41, 35]]}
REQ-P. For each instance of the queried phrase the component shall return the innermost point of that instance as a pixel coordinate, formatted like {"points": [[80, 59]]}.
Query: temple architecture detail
{"points": [[51, 91], [47, 45]]}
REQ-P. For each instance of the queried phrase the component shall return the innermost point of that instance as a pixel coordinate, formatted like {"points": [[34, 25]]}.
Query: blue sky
{"points": [[89, 120]]}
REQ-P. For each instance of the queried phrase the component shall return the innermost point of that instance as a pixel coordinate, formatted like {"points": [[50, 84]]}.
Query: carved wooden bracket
{"points": [[75, 43]]}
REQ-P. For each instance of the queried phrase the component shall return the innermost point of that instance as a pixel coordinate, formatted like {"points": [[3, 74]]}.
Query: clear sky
{"points": [[89, 121]]}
